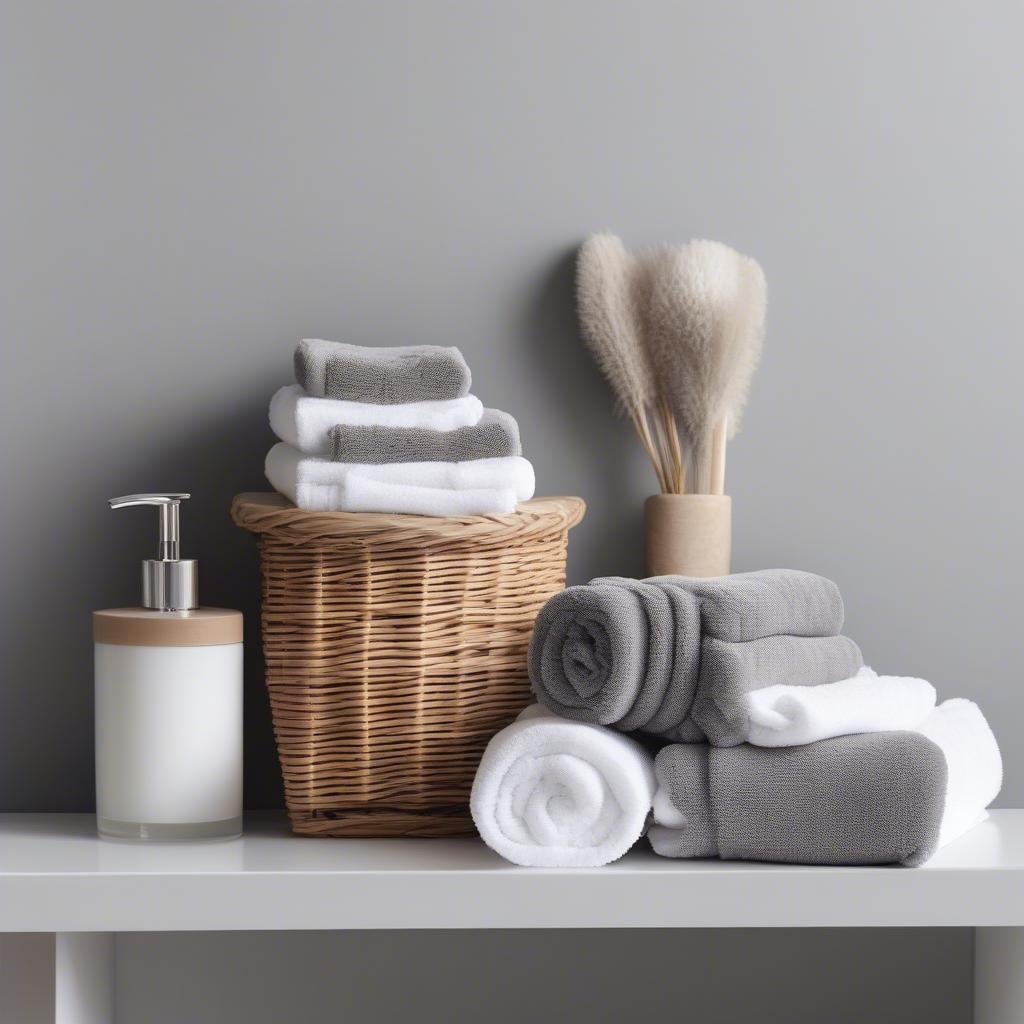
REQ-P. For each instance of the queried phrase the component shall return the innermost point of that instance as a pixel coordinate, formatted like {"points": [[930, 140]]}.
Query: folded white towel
{"points": [[365, 495], [973, 763], [788, 716], [554, 793], [478, 487], [304, 421]]}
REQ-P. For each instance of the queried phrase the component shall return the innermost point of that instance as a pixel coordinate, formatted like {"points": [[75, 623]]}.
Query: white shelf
{"points": [[56, 876]]}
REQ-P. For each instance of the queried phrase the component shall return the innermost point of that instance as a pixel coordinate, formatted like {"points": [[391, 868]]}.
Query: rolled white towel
{"points": [[973, 763], [478, 487], [788, 716], [303, 421], [554, 793]]}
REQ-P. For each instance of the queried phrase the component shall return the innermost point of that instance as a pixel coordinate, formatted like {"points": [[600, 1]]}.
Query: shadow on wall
{"points": [[46, 729], [592, 444]]}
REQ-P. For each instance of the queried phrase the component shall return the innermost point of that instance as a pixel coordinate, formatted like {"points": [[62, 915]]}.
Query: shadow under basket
{"points": [[395, 648]]}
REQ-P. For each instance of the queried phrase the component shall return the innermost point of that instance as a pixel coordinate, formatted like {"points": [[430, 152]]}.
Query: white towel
{"points": [[554, 793], [787, 716], [365, 495], [304, 421], [973, 763], [478, 487]]}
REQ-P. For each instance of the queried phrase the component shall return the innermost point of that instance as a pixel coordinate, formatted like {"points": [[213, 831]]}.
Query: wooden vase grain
{"points": [[688, 534]]}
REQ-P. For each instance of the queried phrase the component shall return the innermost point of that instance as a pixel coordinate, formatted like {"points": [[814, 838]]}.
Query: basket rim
{"points": [[263, 512]]}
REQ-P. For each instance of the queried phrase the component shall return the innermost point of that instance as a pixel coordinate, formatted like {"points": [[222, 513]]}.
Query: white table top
{"points": [[55, 875]]}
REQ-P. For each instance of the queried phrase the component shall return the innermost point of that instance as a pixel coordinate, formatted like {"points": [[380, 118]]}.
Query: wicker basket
{"points": [[395, 647]]}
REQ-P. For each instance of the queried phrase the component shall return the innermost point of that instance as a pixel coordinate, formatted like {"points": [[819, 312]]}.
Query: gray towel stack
{"points": [[674, 658], [393, 430], [393, 376]]}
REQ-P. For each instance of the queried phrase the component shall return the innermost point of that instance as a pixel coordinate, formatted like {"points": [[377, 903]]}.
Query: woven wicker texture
{"points": [[395, 647]]}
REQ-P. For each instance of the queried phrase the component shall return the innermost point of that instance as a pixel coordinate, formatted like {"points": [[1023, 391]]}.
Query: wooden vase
{"points": [[688, 534]]}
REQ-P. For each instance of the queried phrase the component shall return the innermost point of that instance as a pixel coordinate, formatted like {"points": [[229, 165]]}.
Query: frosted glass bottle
{"points": [[168, 705]]}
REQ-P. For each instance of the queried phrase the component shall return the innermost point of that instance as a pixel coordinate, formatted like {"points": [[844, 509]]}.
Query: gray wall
{"points": [[537, 977], [190, 187]]}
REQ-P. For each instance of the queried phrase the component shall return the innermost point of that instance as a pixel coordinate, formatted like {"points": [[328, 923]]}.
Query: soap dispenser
{"points": [[168, 702]]}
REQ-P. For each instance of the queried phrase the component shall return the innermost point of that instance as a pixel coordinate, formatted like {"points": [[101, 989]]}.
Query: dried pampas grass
{"points": [[612, 292], [705, 330], [678, 333]]}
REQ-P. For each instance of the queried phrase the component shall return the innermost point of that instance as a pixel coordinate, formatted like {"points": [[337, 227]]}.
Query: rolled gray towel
{"points": [[675, 656], [385, 376], [873, 798], [495, 436]]}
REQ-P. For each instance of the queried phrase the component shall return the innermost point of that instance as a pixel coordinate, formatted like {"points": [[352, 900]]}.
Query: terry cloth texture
{"points": [[787, 716], [730, 672], [676, 656], [304, 422], [975, 764], [367, 495], [484, 486], [872, 798], [385, 376], [495, 436], [550, 793], [875, 798]]}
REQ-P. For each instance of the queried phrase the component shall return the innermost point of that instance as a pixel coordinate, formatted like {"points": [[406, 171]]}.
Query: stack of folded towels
{"points": [[392, 430], [729, 718]]}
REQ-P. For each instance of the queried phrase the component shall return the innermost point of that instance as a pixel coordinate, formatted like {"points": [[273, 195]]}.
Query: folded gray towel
{"points": [[874, 798], [495, 436], [385, 376], [730, 671], [674, 656]]}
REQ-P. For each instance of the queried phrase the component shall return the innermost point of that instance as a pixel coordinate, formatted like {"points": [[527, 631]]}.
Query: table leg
{"points": [[67, 978], [998, 975], [84, 978]]}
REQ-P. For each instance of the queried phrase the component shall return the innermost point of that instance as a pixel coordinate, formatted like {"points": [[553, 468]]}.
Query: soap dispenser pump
{"points": [[168, 702]]}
